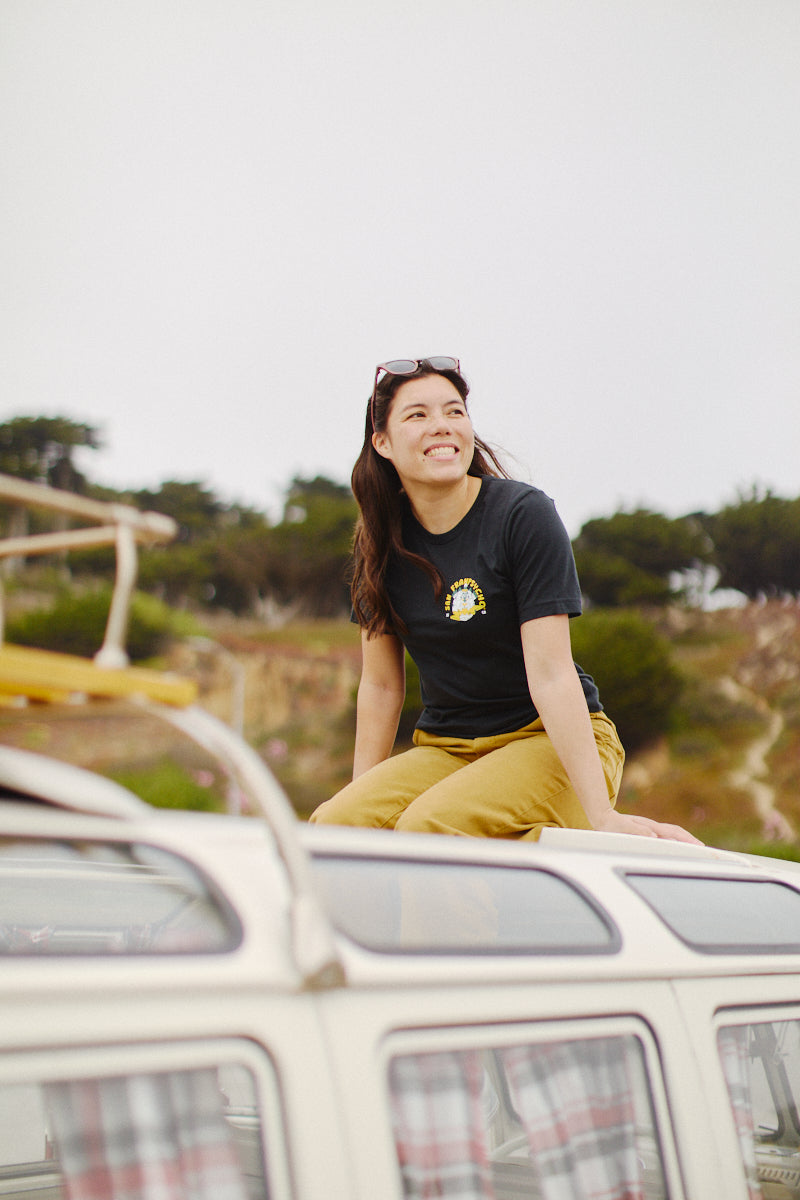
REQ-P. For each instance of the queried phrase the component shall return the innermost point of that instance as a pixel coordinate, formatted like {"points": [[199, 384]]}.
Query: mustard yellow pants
{"points": [[507, 786]]}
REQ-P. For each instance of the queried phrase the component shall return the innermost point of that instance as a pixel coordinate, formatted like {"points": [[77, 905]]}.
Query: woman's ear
{"points": [[379, 441]]}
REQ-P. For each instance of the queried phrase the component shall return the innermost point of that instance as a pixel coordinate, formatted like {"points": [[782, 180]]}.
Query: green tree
{"points": [[219, 557], [635, 557], [178, 573], [610, 581], [305, 495], [41, 449], [231, 557], [240, 566], [757, 545], [191, 504], [309, 550]]}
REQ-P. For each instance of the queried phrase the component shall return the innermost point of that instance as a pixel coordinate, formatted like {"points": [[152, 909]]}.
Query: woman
{"points": [[473, 574]]}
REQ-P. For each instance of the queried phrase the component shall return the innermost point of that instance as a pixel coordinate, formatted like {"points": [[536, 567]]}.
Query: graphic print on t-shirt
{"points": [[464, 600]]}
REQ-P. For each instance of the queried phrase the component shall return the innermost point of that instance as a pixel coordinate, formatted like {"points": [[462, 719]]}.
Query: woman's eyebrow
{"points": [[409, 405]]}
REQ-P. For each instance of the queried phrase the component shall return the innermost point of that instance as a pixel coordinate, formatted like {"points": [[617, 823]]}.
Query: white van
{"points": [[218, 1007], [197, 1005]]}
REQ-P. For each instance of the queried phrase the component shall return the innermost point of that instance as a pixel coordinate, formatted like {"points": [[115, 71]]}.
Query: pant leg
{"points": [[515, 787], [380, 796]]}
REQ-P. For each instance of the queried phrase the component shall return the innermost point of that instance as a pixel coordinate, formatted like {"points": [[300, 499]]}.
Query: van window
{"points": [[90, 897], [138, 1136], [725, 916], [761, 1065], [396, 906], [545, 1119]]}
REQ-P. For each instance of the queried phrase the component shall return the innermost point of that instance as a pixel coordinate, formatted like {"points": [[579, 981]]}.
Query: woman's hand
{"points": [[617, 822]]}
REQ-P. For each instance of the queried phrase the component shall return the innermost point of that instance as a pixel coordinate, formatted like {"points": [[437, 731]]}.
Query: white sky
{"points": [[217, 215]]}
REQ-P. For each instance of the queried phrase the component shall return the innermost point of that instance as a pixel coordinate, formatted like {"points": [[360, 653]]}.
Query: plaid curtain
{"points": [[733, 1047], [575, 1102], [440, 1126], [144, 1137]]}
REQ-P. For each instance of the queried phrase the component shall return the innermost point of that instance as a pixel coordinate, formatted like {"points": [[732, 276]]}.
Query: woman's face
{"points": [[428, 436]]}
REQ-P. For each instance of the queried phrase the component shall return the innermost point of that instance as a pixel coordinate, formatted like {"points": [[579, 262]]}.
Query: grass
{"points": [[166, 784]]}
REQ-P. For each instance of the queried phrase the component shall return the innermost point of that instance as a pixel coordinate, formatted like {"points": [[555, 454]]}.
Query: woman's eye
{"points": [[421, 414]]}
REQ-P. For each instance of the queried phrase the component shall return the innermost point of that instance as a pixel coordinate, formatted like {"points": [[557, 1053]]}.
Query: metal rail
{"points": [[119, 525]]}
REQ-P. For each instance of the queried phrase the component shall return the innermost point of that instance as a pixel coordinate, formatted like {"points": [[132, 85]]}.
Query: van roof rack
{"points": [[32, 674]]}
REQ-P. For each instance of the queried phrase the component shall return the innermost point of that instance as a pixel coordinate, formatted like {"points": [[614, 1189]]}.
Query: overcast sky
{"points": [[216, 216]]}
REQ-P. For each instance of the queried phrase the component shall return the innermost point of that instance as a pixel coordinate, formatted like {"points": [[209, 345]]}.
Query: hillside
{"points": [[730, 769]]}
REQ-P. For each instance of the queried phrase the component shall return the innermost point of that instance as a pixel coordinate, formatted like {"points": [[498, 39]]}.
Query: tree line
{"points": [[234, 557]]}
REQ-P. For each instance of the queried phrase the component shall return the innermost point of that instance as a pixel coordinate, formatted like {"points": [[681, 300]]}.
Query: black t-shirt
{"points": [[509, 560]]}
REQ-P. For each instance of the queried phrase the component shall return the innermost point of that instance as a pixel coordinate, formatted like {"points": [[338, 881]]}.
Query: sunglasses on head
{"points": [[407, 366]]}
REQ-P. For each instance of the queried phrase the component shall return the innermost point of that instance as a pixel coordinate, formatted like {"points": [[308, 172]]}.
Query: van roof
{"points": [[384, 909], [637, 912]]}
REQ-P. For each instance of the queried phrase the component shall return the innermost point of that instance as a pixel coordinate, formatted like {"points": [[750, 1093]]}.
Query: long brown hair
{"points": [[379, 530]]}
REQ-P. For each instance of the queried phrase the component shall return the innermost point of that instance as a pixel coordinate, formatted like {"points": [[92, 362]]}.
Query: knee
{"points": [[424, 816], [322, 815], [360, 803], [345, 808], [412, 821]]}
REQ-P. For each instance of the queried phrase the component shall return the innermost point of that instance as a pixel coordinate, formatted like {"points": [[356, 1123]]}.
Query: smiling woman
{"points": [[472, 574]]}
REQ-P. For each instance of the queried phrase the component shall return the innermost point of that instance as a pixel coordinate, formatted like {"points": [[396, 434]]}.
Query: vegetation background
{"points": [[692, 629]]}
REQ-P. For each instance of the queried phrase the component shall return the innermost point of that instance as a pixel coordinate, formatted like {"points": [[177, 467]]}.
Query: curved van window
{"points": [[397, 906], [719, 915], [89, 897]]}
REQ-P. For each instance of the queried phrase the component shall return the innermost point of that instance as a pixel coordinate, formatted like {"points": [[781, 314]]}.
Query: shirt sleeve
{"points": [[540, 558]]}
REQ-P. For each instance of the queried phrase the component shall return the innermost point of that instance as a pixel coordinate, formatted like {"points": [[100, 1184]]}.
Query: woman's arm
{"points": [[381, 693], [558, 696]]}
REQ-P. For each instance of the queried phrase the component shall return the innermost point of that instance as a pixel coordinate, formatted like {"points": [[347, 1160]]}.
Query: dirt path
{"points": [[751, 776]]}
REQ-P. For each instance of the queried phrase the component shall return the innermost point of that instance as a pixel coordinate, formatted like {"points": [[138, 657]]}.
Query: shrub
{"points": [[75, 624], [632, 665]]}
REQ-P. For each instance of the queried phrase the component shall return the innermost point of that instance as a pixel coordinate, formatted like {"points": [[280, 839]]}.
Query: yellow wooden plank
{"points": [[45, 675], [12, 696]]}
